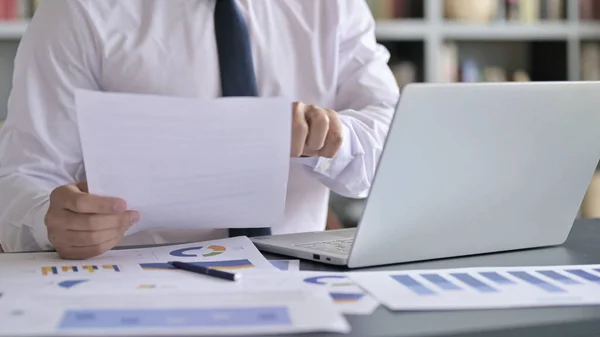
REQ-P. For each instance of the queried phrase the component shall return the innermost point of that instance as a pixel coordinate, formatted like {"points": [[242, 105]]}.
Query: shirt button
{"points": [[325, 166]]}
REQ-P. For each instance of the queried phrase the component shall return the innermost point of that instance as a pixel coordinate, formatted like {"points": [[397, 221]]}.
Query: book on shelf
{"points": [[589, 10], [590, 61], [396, 9], [13, 10], [453, 68], [523, 11]]}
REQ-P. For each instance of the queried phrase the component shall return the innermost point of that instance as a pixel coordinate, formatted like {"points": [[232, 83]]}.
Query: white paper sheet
{"points": [[235, 254], [188, 163], [176, 282], [286, 265], [348, 297], [483, 288], [169, 306]]}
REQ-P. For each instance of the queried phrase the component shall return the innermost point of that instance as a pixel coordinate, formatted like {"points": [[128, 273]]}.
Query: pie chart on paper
{"points": [[198, 251]]}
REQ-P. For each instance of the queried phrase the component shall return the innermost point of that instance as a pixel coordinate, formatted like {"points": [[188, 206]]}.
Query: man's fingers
{"points": [[84, 253], [100, 222], [72, 198], [81, 245], [91, 239], [299, 129], [318, 126], [335, 136], [65, 220]]}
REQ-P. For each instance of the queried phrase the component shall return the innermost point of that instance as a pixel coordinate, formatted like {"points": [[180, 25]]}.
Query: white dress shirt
{"points": [[315, 51]]}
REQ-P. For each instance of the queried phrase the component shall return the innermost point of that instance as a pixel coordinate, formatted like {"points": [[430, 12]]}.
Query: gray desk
{"points": [[582, 247]]}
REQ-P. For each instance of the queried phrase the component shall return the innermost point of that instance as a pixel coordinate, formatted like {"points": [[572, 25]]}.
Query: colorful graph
{"points": [[338, 282], [585, 275], [330, 280], [498, 282], [413, 285], [185, 252], [55, 270], [221, 265], [170, 318], [70, 283]]}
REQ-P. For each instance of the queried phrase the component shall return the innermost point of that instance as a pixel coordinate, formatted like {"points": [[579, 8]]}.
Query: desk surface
{"points": [[582, 247]]}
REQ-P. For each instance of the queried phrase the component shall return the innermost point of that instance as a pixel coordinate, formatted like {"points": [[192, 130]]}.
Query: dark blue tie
{"points": [[237, 70]]}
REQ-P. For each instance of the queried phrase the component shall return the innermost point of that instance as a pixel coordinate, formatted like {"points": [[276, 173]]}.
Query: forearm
{"points": [[39, 143]]}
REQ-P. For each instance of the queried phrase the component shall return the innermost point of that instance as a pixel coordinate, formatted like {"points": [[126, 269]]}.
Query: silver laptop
{"points": [[469, 169]]}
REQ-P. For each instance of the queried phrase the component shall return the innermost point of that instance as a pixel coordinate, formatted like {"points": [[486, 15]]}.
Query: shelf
{"points": [[402, 30], [589, 31], [508, 31], [12, 30]]}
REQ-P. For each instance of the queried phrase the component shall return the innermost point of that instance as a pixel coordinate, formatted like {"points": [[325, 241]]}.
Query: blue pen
{"points": [[206, 271]]}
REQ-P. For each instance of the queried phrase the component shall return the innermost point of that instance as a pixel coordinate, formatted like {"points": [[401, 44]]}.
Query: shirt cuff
{"points": [[38, 222]]}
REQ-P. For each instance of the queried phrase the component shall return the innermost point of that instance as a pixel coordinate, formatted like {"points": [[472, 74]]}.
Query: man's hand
{"points": [[82, 225], [315, 131]]}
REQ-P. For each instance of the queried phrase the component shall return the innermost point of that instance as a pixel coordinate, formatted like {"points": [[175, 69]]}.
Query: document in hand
{"points": [[188, 163]]}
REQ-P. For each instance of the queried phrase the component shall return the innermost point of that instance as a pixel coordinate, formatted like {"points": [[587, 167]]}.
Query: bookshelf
{"points": [[426, 25], [426, 44]]}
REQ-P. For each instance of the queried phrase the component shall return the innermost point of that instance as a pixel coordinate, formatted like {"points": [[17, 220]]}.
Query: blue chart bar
{"points": [[169, 318], [474, 283], [557, 277], [413, 285], [440, 282], [537, 282], [584, 275], [496, 278]]}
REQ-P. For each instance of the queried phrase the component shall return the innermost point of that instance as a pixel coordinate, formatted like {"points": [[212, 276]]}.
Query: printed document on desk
{"points": [[188, 163], [269, 303], [484, 288], [232, 254], [348, 297]]}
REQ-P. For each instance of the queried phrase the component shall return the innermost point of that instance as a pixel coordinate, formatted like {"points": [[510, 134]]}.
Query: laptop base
{"points": [[325, 247]]}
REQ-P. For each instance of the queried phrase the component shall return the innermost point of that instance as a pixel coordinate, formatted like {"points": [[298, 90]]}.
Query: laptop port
{"points": [[316, 256]]}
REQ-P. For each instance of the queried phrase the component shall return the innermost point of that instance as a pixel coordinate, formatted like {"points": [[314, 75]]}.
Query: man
{"points": [[322, 54]]}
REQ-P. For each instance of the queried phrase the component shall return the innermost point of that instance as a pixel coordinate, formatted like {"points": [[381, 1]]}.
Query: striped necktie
{"points": [[237, 70]]}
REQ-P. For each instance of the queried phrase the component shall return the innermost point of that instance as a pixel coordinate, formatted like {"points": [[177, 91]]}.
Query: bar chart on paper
{"points": [[481, 288], [347, 296]]}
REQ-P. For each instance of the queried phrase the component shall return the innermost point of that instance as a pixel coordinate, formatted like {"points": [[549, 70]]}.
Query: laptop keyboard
{"points": [[341, 246]]}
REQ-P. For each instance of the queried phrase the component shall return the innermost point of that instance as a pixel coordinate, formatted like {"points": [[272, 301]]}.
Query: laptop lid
{"points": [[479, 168]]}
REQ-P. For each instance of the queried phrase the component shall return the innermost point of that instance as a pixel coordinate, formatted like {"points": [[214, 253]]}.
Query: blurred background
{"points": [[439, 41], [487, 41]]}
